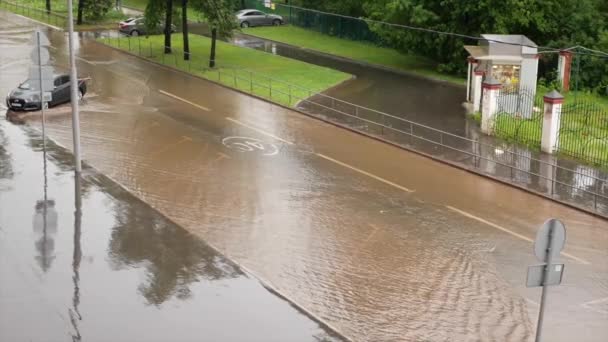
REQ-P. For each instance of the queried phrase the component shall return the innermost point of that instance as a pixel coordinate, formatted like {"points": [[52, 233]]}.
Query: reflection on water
{"points": [[74, 311], [173, 258], [6, 170], [45, 228]]}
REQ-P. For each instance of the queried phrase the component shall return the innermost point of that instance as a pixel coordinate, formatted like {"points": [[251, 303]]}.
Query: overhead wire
{"points": [[454, 34]]}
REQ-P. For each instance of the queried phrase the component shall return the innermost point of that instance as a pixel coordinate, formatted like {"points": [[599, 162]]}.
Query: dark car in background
{"points": [[252, 17], [27, 95], [136, 27]]}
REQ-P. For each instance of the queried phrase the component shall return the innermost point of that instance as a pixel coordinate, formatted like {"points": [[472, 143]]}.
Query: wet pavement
{"points": [[113, 269], [379, 243], [428, 102]]}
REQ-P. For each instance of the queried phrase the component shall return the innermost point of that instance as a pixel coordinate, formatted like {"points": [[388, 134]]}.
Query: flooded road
{"points": [[428, 102], [379, 243], [114, 269]]}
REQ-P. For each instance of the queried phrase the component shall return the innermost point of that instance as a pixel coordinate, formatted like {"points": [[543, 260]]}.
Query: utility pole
{"points": [[74, 92]]}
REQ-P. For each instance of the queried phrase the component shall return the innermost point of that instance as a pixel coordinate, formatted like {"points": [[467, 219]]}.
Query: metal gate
{"points": [[583, 132], [518, 116]]}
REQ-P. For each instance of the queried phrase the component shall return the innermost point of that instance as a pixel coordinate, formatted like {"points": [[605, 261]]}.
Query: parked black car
{"points": [[27, 95]]}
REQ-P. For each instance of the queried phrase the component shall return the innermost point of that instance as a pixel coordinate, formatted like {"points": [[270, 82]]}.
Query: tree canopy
{"points": [[553, 23]]}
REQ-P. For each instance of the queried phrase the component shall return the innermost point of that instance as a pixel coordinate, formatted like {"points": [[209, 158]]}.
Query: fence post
{"points": [[491, 87], [563, 69], [551, 121]]}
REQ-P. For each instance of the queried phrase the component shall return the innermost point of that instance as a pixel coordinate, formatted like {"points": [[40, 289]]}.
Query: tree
{"points": [[168, 18], [95, 10], [80, 12], [220, 18], [185, 29]]}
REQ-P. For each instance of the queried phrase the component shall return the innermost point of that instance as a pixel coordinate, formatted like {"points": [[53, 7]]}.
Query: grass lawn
{"points": [[581, 138], [360, 51], [136, 4], [59, 13], [281, 80]]}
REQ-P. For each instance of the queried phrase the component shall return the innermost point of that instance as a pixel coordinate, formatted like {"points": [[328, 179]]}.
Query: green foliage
{"points": [[245, 69], [96, 10], [218, 14]]}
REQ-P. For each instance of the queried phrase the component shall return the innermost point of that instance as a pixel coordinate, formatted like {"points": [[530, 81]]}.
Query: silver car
{"points": [[252, 17], [136, 27]]}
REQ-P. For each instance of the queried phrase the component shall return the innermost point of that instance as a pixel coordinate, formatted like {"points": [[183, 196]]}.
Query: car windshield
{"points": [[241, 12], [129, 20]]}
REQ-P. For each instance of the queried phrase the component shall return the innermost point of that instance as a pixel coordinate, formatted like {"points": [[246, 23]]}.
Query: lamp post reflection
{"points": [[74, 312], [45, 225]]}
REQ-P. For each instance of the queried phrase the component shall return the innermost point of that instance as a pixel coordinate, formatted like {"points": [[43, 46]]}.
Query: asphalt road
{"points": [[380, 243]]}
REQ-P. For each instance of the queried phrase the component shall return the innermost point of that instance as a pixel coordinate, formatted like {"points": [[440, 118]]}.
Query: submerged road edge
{"points": [[265, 283], [377, 138]]}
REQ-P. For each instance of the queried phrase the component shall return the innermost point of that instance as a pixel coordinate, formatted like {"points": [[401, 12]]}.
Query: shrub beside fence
{"points": [[35, 13], [583, 187]]}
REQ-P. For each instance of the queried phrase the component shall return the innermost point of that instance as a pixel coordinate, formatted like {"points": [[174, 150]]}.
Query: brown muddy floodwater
{"points": [[368, 238]]}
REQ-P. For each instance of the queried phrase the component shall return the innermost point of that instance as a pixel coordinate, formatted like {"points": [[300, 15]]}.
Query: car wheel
{"points": [[245, 24], [276, 22], [134, 33]]}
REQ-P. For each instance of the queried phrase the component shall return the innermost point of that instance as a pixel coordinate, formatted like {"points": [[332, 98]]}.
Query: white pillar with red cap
{"points": [[491, 88], [551, 121]]}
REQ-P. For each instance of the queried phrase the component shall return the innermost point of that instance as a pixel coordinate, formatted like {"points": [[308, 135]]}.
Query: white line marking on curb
{"points": [[508, 231], [184, 100], [258, 130], [39, 22], [365, 173]]}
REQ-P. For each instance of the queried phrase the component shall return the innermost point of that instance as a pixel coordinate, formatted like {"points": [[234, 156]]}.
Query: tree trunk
{"points": [[80, 10], [213, 39], [168, 17], [185, 29], [48, 6]]}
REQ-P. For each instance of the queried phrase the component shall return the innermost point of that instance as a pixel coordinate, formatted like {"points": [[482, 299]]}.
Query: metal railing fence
{"points": [[585, 187]]}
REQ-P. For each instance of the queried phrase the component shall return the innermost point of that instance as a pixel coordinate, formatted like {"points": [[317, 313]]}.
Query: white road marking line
{"points": [[258, 130], [508, 231], [323, 156], [365, 173], [595, 301], [532, 302], [184, 100], [39, 22], [13, 63]]}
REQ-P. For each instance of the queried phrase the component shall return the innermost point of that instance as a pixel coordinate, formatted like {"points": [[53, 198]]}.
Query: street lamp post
{"points": [[74, 92]]}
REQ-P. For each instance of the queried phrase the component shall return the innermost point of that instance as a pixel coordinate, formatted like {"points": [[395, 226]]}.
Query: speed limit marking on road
{"points": [[250, 145]]}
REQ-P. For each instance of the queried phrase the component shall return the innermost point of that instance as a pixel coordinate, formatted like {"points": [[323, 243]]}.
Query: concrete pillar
{"points": [[551, 121], [472, 65], [477, 78], [491, 87], [564, 65]]}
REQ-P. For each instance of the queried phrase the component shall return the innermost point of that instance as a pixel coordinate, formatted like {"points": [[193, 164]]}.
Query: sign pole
{"points": [[546, 274], [38, 44], [74, 92]]}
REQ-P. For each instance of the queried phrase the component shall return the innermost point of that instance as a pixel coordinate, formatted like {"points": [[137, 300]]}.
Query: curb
{"points": [[380, 139]]}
